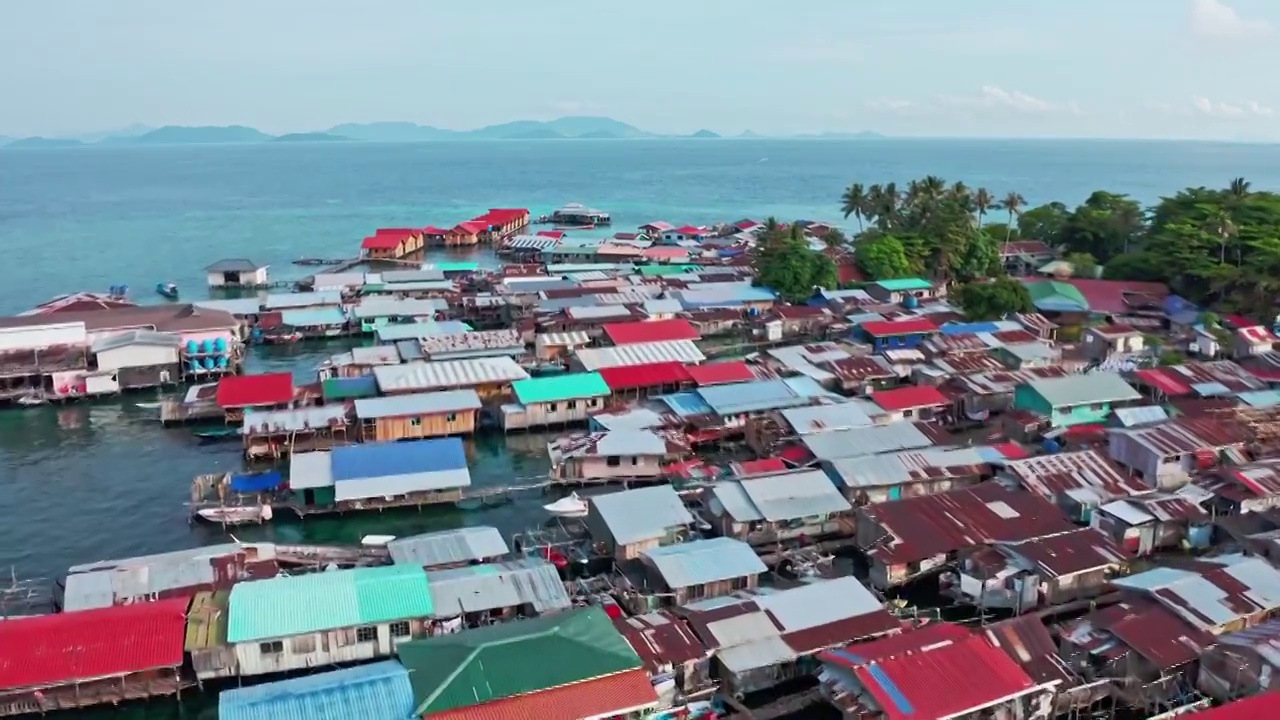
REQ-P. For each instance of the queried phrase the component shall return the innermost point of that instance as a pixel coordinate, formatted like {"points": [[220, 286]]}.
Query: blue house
{"points": [[898, 334]]}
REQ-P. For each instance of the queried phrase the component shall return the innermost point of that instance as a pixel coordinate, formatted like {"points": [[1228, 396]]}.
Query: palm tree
{"points": [[932, 187], [1012, 204], [854, 202], [1239, 188], [1222, 226], [875, 197], [889, 204], [983, 201]]}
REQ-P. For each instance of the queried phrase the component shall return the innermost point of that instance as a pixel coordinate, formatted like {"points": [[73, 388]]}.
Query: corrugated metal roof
{"points": [[531, 581], [704, 561], [642, 353], [781, 497], [1087, 476], [660, 639], [282, 301], [1089, 389], [448, 374], [641, 514], [1145, 415], [379, 691], [420, 330], [295, 605], [1214, 591], [686, 404], [314, 317], [46, 650], [310, 470], [396, 468], [864, 441], [907, 467], [377, 307], [829, 418], [477, 343], [263, 422], [432, 403], [103, 584], [447, 547], [748, 397], [573, 338], [554, 388], [628, 419]]}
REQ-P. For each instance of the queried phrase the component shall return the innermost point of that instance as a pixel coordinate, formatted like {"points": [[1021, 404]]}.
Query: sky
{"points": [[1200, 69]]}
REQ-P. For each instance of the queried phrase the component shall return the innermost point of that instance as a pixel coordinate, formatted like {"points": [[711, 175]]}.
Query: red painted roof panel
{"points": [[382, 242], [909, 398], [1266, 705], [602, 697], [644, 376], [238, 391], [1163, 381], [886, 328], [50, 650], [721, 373], [651, 331]]}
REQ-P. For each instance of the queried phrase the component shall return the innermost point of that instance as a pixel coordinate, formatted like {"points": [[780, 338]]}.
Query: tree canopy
{"points": [[993, 300], [785, 264]]}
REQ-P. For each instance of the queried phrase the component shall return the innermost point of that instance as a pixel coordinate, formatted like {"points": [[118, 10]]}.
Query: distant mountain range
{"points": [[566, 128]]}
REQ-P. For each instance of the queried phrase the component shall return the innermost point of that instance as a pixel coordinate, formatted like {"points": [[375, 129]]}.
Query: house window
{"points": [[451, 417], [592, 402], [613, 461], [400, 629], [907, 413], [635, 461], [274, 647], [415, 422], [366, 633], [572, 405], [303, 645], [551, 407]]}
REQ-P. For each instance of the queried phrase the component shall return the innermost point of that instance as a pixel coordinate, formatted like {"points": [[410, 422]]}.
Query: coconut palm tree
{"points": [[983, 201], [1012, 204], [1222, 226], [1239, 188], [890, 203], [854, 202], [933, 187]]}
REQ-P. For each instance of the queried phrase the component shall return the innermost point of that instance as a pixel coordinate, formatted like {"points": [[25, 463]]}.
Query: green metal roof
{"points": [[300, 604], [899, 284], [501, 661], [560, 387], [349, 388], [1054, 295]]}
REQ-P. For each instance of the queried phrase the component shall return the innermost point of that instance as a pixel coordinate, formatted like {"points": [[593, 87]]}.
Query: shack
{"points": [[702, 569], [613, 455], [641, 381], [136, 359], [1076, 399], [559, 346], [449, 548], [381, 690], [380, 475], [238, 393], [630, 522], [894, 476], [342, 616], [885, 335], [236, 273], [1168, 454], [556, 400], [480, 595], [106, 656], [679, 665], [489, 377], [276, 433], [416, 416], [782, 506]]}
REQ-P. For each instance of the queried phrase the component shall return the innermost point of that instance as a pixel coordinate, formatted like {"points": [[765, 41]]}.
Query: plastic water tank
{"points": [[222, 361], [208, 363], [911, 302], [220, 345], [192, 347], [206, 346], [1051, 446]]}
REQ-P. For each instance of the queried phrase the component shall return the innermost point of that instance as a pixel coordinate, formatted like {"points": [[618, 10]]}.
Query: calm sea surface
{"points": [[103, 481]]}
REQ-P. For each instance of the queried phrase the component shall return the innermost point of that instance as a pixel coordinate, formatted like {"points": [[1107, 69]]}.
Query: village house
{"points": [[501, 223], [475, 596], [558, 346], [416, 416], [554, 400], [1167, 454], [898, 676], [859, 376], [358, 362], [650, 331], [375, 312], [1241, 663], [710, 322], [679, 665], [1254, 487], [641, 381], [1076, 482], [1144, 524], [903, 539], [1077, 399], [381, 689], [137, 653], [352, 615], [1103, 341], [589, 671], [869, 441], [490, 377], [1040, 572], [449, 548], [632, 521], [616, 455], [640, 353], [1251, 341], [134, 359], [801, 319], [768, 509], [702, 569], [313, 322], [391, 243], [913, 403], [1028, 355], [1221, 594], [987, 387], [886, 335], [372, 475], [894, 476], [238, 393], [236, 273], [897, 291], [465, 234], [276, 433], [769, 433], [764, 637]]}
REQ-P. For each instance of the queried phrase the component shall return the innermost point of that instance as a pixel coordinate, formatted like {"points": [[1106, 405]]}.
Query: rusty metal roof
{"points": [[1143, 627], [860, 369], [1027, 641], [929, 525], [1087, 476], [970, 364], [942, 344], [660, 638], [1068, 553], [1186, 435], [999, 383], [1211, 592]]}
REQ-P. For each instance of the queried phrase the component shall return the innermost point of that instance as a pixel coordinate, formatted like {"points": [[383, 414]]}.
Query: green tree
{"points": [[854, 202], [1044, 223], [1012, 204], [983, 201], [1082, 265], [995, 299], [882, 258], [1104, 226], [835, 239], [784, 263]]}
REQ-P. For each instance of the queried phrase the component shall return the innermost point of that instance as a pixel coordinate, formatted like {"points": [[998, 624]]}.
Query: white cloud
{"points": [[1219, 109], [889, 104], [1215, 19], [995, 98]]}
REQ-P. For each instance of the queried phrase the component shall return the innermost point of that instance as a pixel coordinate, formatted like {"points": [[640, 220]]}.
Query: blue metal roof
{"points": [[355, 462], [1260, 398], [755, 396], [380, 691], [704, 561], [971, 327], [687, 404], [256, 482]]}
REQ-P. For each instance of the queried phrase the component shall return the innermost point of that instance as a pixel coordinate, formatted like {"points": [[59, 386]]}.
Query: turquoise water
{"points": [[91, 482]]}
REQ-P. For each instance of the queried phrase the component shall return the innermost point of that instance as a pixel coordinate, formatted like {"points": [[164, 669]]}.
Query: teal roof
{"points": [[501, 661], [453, 266], [900, 284], [300, 604], [560, 387]]}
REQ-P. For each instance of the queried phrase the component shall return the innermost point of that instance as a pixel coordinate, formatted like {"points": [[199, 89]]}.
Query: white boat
{"points": [[569, 507], [31, 400], [147, 406], [240, 515], [376, 540]]}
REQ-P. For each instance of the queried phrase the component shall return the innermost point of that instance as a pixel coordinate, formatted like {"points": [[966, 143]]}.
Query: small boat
{"points": [[241, 515], [282, 338], [565, 228], [218, 435], [376, 540], [569, 507], [167, 290], [148, 405], [31, 400]]}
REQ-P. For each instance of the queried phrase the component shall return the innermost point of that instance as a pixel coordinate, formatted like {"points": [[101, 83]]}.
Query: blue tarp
{"points": [[969, 328], [256, 482], [356, 462]]}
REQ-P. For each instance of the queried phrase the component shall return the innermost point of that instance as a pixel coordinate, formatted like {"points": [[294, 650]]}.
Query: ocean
{"points": [[88, 482]]}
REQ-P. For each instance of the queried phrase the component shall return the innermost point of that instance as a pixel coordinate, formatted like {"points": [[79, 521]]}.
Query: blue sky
{"points": [[1055, 68]]}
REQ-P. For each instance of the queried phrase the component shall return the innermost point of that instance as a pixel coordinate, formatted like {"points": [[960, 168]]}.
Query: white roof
{"points": [[448, 374], [684, 351]]}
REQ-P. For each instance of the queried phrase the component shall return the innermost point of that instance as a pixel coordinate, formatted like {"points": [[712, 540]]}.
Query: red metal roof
{"points": [[926, 677], [909, 398], [238, 391], [1117, 296], [721, 373], [433, 230], [1153, 632], [1011, 451], [860, 369], [885, 328], [651, 331], [764, 466], [1025, 247], [1266, 705], [553, 234], [660, 252], [690, 230], [500, 216], [382, 242], [644, 376], [800, 312], [50, 650], [1071, 552], [928, 525], [1164, 381], [1027, 642], [602, 697], [660, 638], [472, 227]]}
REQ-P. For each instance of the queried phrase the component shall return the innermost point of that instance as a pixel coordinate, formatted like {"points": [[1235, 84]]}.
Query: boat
{"points": [[167, 290], [281, 338], [239, 515], [376, 540], [576, 216], [31, 400], [317, 261], [218, 435], [565, 228], [568, 507], [148, 405]]}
